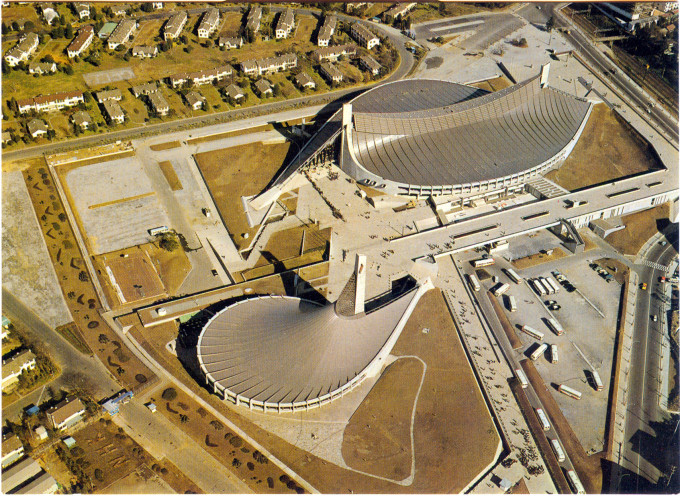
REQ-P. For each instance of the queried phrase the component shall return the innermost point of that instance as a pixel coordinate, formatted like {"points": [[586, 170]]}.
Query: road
{"points": [[644, 378], [601, 63]]}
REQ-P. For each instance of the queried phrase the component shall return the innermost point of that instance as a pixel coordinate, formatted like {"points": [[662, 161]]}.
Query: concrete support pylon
{"points": [[360, 278]]}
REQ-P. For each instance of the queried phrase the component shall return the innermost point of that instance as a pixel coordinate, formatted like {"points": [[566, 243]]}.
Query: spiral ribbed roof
{"points": [[279, 349]]}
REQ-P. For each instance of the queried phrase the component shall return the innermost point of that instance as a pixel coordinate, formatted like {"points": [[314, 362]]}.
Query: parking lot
{"points": [[587, 342]]}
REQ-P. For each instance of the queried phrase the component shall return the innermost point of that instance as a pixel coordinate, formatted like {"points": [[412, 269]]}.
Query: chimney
{"points": [[360, 278]]}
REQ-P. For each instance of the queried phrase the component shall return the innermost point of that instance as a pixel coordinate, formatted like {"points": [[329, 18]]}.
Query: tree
{"points": [[147, 7], [550, 24], [15, 26], [48, 58], [169, 394], [68, 70], [68, 32], [29, 26]]}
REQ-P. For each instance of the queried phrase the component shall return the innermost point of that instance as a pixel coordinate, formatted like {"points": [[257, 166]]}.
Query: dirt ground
{"points": [[609, 148], [617, 269], [231, 173], [538, 259], [165, 146], [287, 244], [494, 84], [170, 175], [640, 226]]}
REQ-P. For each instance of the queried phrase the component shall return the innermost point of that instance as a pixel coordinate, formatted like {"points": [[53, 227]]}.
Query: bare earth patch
{"points": [[170, 175], [640, 226]]}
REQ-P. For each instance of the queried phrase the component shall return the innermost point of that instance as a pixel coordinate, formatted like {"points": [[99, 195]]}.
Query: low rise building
{"points": [[269, 65], [22, 50], [144, 51], [12, 450], [114, 94], [40, 433], [47, 103], [332, 53], [254, 18], [81, 119], [50, 15], [106, 30], [42, 68], [19, 473], [304, 81], [397, 10], [209, 22], [195, 100], [114, 112], [364, 36], [159, 104], [326, 30], [370, 64], [81, 42], [285, 23], [230, 42], [122, 33], [174, 26], [37, 129], [235, 94], [67, 413], [43, 484], [207, 76], [144, 89], [120, 9], [16, 365], [82, 10], [331, 73], [6, 138], [264, 88]]}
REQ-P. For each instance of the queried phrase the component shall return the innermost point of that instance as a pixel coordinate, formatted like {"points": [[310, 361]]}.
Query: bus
{"points": [[483, 262], [474, 283], [538, 352], [543, 418], [547, 286], [533, 332], [514, 276], [569, 391], [553, 283], [538, 287], [553, 353], [500, 289], [522, 378], [575, 482], [557, 448], [555, 327], [512, 304], [598, 382], [155, 231]]}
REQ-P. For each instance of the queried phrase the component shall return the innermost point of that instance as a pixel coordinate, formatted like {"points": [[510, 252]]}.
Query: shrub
{"points": [[169, 394], [284, 478], [270, 482], [236, 463], [251, 466], [236, 442], [216, 425], [98, 474]]}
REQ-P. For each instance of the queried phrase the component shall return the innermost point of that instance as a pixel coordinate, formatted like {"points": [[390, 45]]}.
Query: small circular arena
{"points": [[286, 354]]}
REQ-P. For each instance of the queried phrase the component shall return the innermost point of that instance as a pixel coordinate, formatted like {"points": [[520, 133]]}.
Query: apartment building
{"points": [[81, 42], [326, 30], [159, 104], [174, 26], [122, 33], [254, 18], [66, 413], [269, 65], [207, 76], [113, 111], [23, 50], [47, 103], [364, 36], [285, 23], [13, 367], [370, 64], [332, 53], [331, 73], [209, 22]]}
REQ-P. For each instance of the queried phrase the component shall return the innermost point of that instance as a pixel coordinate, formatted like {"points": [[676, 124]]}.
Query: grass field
{"points": [[165, 146], [170, 175], [609, 148], [231, 173], [71, 333], [640, 226]]}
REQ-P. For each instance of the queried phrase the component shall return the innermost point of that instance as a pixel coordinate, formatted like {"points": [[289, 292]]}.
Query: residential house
{"points": [[12, 450], [19, 473], [397, 10], [235, 93], [264, 88], [144, 89], [50, 15], [352, 6], [81, 119], [42, 67], [40, 433], [254, 18], [22, 50], [43, 484], [80, 43], [209, 22], [106, 30], [370, 64], [195, 100], [304, 81], [285, 23], [157, 5], [144, 52], [159, 104], [6, 138], [82, 10], [230, 42], [364, 36], [114, 94], [331, 73], [13, 367], [120, 9], [47, 103], [269, 65], [174, 26], [326, 30], [113, 111], [207, 76], [36, 128], [66, 413], [332, 53], [122, 33]]}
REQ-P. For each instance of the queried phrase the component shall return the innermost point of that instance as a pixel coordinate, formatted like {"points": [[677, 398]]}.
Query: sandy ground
{"points": [[135, 483]]}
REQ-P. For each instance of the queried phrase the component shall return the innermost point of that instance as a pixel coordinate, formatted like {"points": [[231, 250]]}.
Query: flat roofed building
{"points": [[81, 41], [122, 33], [114, 94], [22, 50], [364, 36], [159, 104], [43, 484], [114, 112], [19, 473], [331, 73], [304, 81], [326, 30], [174, 26], [333, 53], [66, 413], [12, 450], [36, 128], [285, 23], [106, 30], [253, 19], [81, 119], [370, 64], [42, 67], [209, 22], [230, 42], [144, 89], [144, 52]]}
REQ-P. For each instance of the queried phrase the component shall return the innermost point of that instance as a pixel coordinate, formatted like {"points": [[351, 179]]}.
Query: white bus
{"points": [[575, 482], [569, 391], [154, 231], [483, 262], [522, 378], [533, 332], [474, 283], [512, 304], [543, 418], [559, 452], [555, 327], [553, 353], [598, 382], [538, 352], [547, 286], [500, 289], [514, 276], [538, 287], [553, 283]]}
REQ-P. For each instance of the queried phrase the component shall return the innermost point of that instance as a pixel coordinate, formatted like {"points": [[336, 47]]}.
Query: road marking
{"points": [[456, 26]]}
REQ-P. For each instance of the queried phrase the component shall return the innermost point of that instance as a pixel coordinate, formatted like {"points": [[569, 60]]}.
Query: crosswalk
{"points": [[654, 265]]}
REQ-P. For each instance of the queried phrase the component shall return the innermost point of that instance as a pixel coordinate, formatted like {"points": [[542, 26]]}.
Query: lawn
{"points": [[640, 226]]}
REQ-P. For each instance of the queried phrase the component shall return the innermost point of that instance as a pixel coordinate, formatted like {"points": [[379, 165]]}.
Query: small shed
{"points": [[40, 433], [69, 442], [151, 407]]}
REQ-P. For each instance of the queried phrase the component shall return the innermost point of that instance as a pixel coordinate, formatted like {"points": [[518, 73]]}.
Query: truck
{"points": [[543, 419], [538, 352], [533, 332], [553, 353], [555, 326], [500, 289], [547, 286], [557, 448], [553, 283], [538, 287], [512, 304]]}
